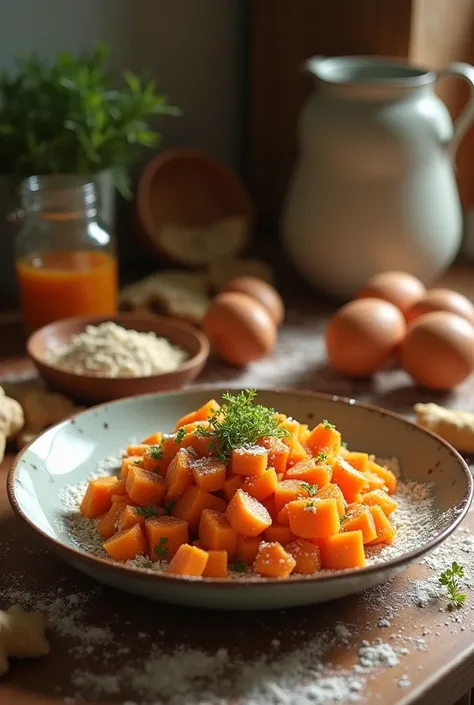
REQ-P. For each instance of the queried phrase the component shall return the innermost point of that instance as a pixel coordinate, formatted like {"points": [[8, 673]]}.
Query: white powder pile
{"points": [[108, 350]]}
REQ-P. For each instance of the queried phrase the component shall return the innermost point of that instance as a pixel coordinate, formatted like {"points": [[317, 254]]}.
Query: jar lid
{"points": [[192, 208]]}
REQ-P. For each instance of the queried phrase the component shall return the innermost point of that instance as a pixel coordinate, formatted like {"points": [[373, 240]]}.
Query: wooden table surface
{"points": [[436, 668]]}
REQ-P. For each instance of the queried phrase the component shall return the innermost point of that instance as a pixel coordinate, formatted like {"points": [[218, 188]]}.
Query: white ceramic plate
{"points": [[67, 454]]}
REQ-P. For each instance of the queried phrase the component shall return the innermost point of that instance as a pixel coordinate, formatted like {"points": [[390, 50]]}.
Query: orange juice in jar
{"points": [[65, 257]]}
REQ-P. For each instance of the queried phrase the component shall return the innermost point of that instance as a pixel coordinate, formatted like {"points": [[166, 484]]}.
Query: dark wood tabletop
{"points": [[436, 662]]}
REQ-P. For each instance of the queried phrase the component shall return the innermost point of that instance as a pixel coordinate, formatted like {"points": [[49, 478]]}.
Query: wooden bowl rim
{"points": [[169, 322]]}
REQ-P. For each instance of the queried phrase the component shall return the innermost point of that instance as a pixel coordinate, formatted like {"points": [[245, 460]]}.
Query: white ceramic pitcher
{"points": [[374, 187]]}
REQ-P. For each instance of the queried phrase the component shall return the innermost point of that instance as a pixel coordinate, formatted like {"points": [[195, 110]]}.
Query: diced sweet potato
{"points": [[202, 414], [247, 515], [131, 516], [144, 487], [279, 533], [313, 518], [165, 535], [249, 461], [342, 551], [324, 438], [192, 503], [208, 473], [231, 485], [374, 482], [277, 453], [98, 497], [332, 491], [130, 462], [153, 440], [216, 566], [178, 474], [350, 481], [216, 532], [387, 504], [269, 505], [188, 561], [359, 461], [107, 526], [360, 518], [261, 486], [287, 491], [311, 472], [387, 475], [137, 449], [272, 561], [247, 548], [296, 451], [307, 556], [385, 531], [126, 544]]}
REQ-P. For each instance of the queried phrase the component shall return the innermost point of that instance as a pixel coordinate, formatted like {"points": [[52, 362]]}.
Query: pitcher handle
{"points": [[466, 118]]}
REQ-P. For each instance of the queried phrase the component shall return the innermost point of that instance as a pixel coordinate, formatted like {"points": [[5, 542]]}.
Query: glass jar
{"points": [[65, 256]]}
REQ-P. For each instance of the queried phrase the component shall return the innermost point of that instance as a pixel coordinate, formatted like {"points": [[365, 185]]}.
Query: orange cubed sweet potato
{"points": [[216, 532], [332, 491], [216, 566], [130, 462], [199, 544], [98, 497], [131, 516], [165, 535], [198, 442], [269, 505], [123, 498], [121, 486], [144, 487], [137, 449], [387, 475], [279, 533], [313, 518], [247, 548], [277, 452], [247, 515], [324, 438], [387, 504], [350, 481], [342, 551], [288, 490], [107, 526], [282, 516], [307, 556], [192, 503], [204, 412], [153, 460], [208, 473], [188, 561], [153, 440], [303, 433], [272, 561], [261, 486], [311, 472], [249, 461], [126, 544], [359, 461], [360, 518], [374, 482], [385, 531], [178, 474], [231, 485], [296, 452], [288, 423]]}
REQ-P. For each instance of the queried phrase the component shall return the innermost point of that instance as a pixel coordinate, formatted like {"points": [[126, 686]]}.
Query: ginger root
{"points": [[11, 420], [43, 409], [22, 635], [455, 426]]}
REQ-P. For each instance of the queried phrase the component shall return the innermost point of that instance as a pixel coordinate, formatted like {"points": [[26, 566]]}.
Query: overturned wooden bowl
{"points": [[92, 388]]}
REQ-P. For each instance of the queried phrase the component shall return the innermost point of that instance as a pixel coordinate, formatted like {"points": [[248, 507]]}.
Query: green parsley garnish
{"points": [[147, 512], [161, 548], [451, 581], [310, 489], [169, 506], [156, 452], [321, 457], [311, 503], [148, 564], [180, 434], [239, 567], [239, 423], [327, 424], [137, 462], [344, 444]]}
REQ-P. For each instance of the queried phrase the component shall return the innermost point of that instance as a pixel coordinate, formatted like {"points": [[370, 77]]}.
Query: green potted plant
{"points": [[75, 116]]}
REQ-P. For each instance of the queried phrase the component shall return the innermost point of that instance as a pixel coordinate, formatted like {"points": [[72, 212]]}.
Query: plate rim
{"points": [[391, 565]]}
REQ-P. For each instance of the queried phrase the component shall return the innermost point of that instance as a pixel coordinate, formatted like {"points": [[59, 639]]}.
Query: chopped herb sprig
{"points": [[180, 434], [147, 512], [161, 549], [239, 567], [450, 579], [239, 423], [156, 452], [310, 489]]}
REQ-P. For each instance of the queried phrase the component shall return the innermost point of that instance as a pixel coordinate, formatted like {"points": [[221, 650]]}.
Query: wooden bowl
{"points": [[188, 188], [91, 388]]}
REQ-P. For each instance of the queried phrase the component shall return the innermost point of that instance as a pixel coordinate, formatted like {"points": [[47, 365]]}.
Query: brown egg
{"points": [[262, 292], [442, 300], [239, 328], [361, 336], [399, 288], [438, 351]]}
